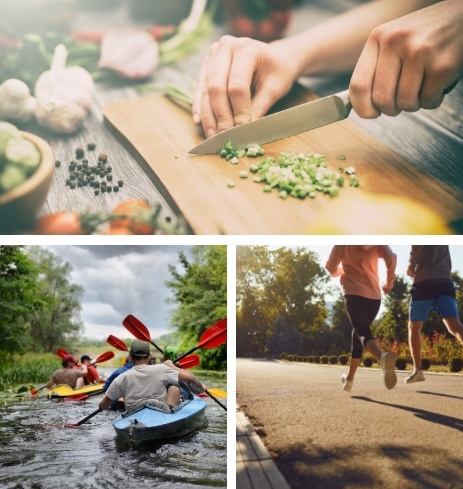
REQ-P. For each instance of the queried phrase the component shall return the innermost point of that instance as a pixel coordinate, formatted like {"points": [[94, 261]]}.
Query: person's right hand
{"points": [[240, 80]]}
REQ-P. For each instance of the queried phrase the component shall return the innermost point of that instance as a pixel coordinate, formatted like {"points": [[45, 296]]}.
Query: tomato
{"points": [[64, 222], [136, 216]]}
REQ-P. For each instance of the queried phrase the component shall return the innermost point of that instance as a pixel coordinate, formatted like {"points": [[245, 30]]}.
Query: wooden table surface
{"points": [[431, 140]]}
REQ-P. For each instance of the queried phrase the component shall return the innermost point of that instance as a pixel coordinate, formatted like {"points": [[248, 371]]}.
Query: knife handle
{"points": [[343, 103]]}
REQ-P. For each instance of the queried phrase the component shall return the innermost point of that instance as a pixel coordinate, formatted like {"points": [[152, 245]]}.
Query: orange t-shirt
{"points": [[357, 265], [92, 374]]}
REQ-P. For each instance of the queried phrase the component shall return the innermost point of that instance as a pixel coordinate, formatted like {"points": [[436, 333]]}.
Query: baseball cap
{"points": [[83, 358], [171, 352], [140, 348]]}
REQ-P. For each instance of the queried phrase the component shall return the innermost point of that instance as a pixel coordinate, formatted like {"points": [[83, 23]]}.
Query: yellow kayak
{"points": [[64, 390]]}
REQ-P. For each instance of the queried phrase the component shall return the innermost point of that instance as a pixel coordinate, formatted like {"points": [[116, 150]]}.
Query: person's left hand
{"points": [[386, 289], [410, 63]]}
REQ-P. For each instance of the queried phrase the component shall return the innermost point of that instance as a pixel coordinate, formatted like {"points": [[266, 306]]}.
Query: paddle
{"points": [[139, 330], [214, 336], [215, 392], [62, 353], [104, 357], [187, 362], [76, 425], [216, 400]]}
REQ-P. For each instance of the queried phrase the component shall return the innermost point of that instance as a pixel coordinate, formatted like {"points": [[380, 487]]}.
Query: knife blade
{"points": [[280, 125]]}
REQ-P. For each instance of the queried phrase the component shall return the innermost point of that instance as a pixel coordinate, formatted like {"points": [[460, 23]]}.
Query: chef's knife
{"points": [[281, 125]]}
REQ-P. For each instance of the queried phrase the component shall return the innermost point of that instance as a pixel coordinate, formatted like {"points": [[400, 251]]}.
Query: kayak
{"points": [[152, 424], [63, 390]]}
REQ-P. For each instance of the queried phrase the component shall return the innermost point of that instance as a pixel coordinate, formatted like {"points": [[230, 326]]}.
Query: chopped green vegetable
{"points": [[243, 174], [230, 183], [342, 157]]}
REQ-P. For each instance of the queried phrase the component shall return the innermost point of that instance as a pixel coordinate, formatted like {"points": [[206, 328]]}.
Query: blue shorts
{"points": [[445, 305]]}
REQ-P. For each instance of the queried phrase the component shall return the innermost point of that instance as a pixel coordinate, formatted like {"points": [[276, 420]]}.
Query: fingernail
{"points": [[210, 133], [196, 118]]}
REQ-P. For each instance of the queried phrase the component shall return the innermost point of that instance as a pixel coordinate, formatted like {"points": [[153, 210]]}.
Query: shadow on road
{"points": [[439, 394], [450, 421], [351, 468]]}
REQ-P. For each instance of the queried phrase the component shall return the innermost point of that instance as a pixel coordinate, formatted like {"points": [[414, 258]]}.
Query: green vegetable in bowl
{"points": [[19, 157]]}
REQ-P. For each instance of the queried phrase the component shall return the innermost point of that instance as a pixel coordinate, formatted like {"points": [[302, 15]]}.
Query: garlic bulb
{"points": [[16, 101], [64, 95]]}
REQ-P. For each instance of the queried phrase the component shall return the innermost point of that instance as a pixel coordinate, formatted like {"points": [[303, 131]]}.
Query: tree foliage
{"points": [[18, 298], [56, 321], [279, 293], [200, 294]]}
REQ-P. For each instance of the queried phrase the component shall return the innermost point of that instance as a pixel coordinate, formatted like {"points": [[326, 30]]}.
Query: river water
{"points": [[37, 451]]}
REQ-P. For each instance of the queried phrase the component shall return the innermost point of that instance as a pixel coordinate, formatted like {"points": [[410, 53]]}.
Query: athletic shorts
{"points": [[445, 305]]}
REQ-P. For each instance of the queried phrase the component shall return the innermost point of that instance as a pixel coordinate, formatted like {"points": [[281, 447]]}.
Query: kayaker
{"points": [[171, 353], [433, 288], [92, 377], [127, 366], [362, 297], [146, 384], [68, 375]]}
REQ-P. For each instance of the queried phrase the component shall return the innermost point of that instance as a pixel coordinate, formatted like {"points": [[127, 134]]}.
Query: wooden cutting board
{"points": [[161, 133]]}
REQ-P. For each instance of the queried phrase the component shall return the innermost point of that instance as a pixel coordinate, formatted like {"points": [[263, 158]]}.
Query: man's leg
{"points": [[455, 327], [414, 342], [173, 396]]}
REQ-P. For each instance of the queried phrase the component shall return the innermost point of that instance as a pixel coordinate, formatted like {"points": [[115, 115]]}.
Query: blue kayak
{"points": [[152, 424]]}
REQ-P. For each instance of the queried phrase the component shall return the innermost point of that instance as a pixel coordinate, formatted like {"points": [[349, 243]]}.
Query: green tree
{"points": [[341, 324], [393, 323], [285, 338], [285, 282], [18, 288], [56, 323], [200, 292]]}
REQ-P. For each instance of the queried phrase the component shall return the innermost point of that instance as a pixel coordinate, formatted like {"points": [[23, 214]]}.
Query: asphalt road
{"points": [[322, 437]]}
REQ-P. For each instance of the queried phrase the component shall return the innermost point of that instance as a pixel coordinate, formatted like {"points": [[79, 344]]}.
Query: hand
{"points": [[410, 272], [386, 289], [408, 63], [240, 80]]}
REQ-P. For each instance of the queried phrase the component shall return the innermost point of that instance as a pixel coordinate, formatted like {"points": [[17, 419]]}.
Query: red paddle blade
{"points": [[215, 335], [62, 353], [137, 328], [75, 397], [117, 343], [190, 361], [104, 357]]}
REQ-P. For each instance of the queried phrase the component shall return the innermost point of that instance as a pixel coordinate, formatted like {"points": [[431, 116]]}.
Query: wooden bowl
{"points": [[19, 206]]}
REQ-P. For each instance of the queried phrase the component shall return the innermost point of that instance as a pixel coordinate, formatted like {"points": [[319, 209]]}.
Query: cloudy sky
{"points": [[122, 280]]}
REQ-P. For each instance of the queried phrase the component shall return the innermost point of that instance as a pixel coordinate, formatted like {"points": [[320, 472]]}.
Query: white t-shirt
{"points": [[143, 382]]}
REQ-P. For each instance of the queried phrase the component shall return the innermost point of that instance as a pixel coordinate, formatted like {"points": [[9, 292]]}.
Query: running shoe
{"points": [[347, 384], [415, 376], [388, 368]]}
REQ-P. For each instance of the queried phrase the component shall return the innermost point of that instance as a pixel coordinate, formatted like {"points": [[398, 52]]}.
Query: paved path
{"points": [[255, 468], [319, 436]]}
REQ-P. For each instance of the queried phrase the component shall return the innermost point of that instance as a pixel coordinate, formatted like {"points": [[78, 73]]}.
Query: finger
{"points": [[266, 96], [361, 83], [198, 95], [217, 76], [435, 86], [409, 86], [239, 84]]}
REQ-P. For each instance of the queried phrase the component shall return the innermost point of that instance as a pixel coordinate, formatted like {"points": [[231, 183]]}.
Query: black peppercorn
{"points": [[57, 163], [91, 146], [80, 152]]}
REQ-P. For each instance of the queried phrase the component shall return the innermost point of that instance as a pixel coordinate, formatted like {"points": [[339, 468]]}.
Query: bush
{"points": [[400, 364], [316, 359], [283, 356], [342, 359], [333, 359], [311, 358], [300, 358], [425, 363], [324, 359], [455, 364], [368, 361], [290, 358]]}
